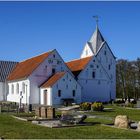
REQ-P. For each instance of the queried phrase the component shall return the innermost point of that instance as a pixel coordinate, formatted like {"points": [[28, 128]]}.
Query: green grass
{"points": [[133, 114], [12, 128]]}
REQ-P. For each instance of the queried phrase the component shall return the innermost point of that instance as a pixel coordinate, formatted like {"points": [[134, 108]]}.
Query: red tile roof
{"points": [[79, 64], [25, 68], [53, 79]]}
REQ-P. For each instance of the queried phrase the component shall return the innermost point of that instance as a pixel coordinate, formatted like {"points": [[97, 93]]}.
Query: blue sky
{"points": [[30, 28]]}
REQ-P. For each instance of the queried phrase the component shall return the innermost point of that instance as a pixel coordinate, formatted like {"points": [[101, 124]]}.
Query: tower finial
{"points": [[96, 19]]}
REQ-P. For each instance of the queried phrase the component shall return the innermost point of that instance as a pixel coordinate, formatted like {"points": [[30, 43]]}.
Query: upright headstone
{"points": [[50, 112], [43, 112], [38, 111]]}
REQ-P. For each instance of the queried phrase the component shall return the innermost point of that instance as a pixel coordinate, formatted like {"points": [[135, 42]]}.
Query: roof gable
{"points": [[25, 68], [105, 43], [53, 79], [79, 64]]}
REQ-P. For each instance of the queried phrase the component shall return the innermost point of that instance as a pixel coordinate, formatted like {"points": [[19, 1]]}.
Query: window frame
{"points": [[59, 93]]}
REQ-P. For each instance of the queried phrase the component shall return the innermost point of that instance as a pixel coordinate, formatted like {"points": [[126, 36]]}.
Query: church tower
{"points": [[98, 78], [94, 44]]}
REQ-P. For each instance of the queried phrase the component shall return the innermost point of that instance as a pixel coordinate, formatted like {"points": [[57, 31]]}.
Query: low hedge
{"points": [[97, 106], [85, 106]]}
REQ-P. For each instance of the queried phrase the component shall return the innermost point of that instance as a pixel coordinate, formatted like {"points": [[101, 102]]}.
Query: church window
{"points": [[104, 52], [93, 74], [54, 56], [59, 93], [12, 89], [17, 88], [73, 93], [23, 87], [109, 67], [66, 86], [53, 70]]}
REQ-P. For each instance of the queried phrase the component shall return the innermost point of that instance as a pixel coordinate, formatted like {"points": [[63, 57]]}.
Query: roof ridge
{"points": [[37, 56], [48, 82], [79, 59], [26, 67], [8, 61]]}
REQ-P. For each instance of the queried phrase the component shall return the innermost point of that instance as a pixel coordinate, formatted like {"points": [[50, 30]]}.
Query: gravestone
{"points": [[38, 111], [50, 112], [121, 121], [43, 112]]}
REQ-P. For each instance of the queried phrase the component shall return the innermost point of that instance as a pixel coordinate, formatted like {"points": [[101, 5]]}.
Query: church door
{"points": [[45, 97]]}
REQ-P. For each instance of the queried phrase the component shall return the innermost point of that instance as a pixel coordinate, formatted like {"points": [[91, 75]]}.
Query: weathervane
{"points": [[96, 19]]}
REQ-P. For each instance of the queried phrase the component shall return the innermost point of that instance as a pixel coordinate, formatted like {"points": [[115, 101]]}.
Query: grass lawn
{"points": [[12, 128], [133, 114]]}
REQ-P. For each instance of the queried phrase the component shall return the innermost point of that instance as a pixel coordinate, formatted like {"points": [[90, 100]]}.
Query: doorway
{"points": [[45, 97]]}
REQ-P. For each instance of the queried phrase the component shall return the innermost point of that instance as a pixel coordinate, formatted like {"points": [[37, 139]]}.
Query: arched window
{"points": [[23, 87], [12, 89], [17, 88]]}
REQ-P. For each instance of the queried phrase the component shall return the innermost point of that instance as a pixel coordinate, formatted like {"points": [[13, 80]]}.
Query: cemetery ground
{"points": [[13, 128]]}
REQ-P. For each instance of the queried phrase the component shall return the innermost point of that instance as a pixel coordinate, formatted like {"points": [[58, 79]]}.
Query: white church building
{"points": [[47, 80]]}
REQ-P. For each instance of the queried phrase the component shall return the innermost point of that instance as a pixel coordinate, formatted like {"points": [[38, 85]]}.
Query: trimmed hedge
{"points": [[85, 106], [97, 106]]}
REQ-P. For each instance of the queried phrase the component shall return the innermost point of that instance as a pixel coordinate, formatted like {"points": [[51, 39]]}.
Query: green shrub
{"points": [[97, 106], [85, 106]]}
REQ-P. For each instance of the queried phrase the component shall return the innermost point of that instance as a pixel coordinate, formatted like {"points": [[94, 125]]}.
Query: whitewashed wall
{"points": [[41, 74], [105, 61], [66, 84], [2, 91], [102, 87], [49, 96], [15, 97], [86, 51]]}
